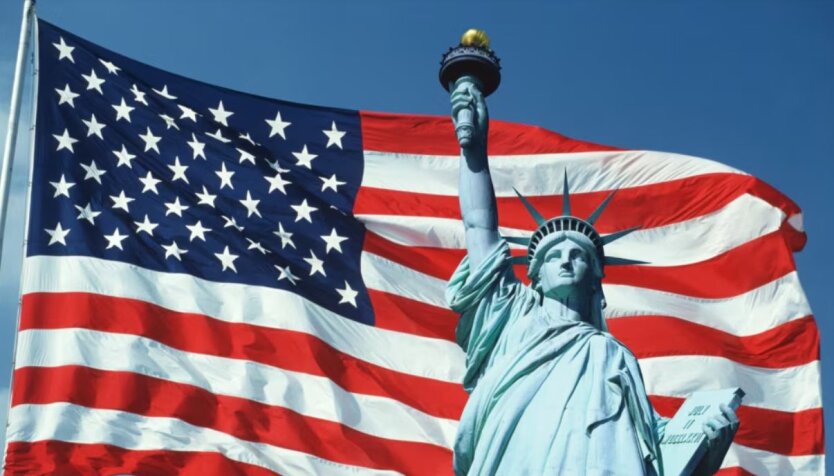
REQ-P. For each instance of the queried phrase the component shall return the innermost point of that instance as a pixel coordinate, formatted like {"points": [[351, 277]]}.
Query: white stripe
{"points": [[753, 312], [791, 390], [306, 394], [777, 302], [540, 174], [81, 425], [766, 463], [383, 274], [422, 356], [691, 241]]}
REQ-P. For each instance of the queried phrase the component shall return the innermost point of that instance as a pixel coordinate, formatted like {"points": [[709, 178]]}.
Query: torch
{"points": [[474, 63]]}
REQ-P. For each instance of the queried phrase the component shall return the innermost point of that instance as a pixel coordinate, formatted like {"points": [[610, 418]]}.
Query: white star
{"points": [[221, 114], [276, 166], [187, 113], [87, 213], [251, 205], [197, 231], [57, 235], [93, 81], [149, 183], [197, 147], [316, 265], [277, 126], [334, 241], [150, 140], [65, 141], [286, 274], [334, 136], [254, 245], [94, 127], [91, 171], [169, 122], [147, 226], [247, 138], [277, 183], [175, 207], [348, 295], [179, 170], [245, 156], [66, 96], [206, 198], [303, 211], [286, 237], [164, 92], [121, 201], [111, 68], [305, 159], [138, 96], [62, 187], [115, 240], [218, 135], [225, 176], [64, 51], [174, 250], [123, 111], [227, 259], [230, 222], [124, 157], [331, 183]]}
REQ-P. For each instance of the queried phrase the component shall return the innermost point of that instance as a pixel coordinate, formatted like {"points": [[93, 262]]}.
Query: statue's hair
{"points": [[597, 298]]}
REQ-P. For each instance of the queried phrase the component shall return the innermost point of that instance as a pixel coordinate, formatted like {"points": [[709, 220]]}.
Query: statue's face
{"points": [[565, 270]]}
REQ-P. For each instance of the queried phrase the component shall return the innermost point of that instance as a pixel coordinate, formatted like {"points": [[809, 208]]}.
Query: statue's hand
{"points": [[467, 96], [720, 431]]}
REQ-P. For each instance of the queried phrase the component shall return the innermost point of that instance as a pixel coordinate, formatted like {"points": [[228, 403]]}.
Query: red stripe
{"points": [[786, 433], [200, 334], [646, 206], [68, 459], [736, 271], [241, 418], [734, 471], [401, 314], [787, 345], [434, 135], [437, 262]]}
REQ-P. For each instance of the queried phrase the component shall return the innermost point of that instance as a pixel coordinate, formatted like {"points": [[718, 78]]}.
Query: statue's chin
{"points": [[560, 292]]}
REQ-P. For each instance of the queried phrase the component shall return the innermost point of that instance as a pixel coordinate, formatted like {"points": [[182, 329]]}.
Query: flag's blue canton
{"points": [[143, 166]]}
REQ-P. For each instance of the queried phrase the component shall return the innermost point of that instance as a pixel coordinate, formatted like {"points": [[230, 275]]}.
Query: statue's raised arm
{"points": [[477, 196]]}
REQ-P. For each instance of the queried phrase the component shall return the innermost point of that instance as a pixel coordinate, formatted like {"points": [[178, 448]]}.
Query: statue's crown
{"points": [[568, 222]]}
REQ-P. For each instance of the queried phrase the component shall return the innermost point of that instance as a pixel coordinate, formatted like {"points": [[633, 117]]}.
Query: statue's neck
{"points": [[572, 308]]}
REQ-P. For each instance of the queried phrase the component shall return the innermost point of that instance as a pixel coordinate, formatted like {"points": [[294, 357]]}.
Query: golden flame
{"points": [[475, 37]]}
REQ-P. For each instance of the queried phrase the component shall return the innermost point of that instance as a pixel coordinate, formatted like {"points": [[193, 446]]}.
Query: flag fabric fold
{"points": [[221, 283]]}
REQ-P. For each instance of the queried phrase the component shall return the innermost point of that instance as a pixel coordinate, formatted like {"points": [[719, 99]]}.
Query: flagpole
{"points": [[14, 115]]}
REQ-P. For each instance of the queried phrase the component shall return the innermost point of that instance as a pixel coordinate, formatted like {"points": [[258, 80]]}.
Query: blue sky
{"points": [[745, 83]]}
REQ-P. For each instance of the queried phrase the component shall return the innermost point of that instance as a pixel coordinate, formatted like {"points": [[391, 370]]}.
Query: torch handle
{"points": [[465, 118]]}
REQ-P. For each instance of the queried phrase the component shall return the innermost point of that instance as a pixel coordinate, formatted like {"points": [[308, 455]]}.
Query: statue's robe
{"points": [[547, 395]]}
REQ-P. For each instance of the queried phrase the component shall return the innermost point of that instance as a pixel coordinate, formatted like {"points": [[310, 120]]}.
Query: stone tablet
{"points": [[684, 442]]}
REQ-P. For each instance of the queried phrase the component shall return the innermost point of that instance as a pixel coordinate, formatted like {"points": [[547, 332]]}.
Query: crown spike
{"points": [[518, 259], [540, 220], [518, 240], [617, 235], [614, 261], [566, 196], [595, 215]]}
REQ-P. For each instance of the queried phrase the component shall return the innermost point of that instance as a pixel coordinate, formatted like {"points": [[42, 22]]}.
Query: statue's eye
{"points": [[575, 253]]}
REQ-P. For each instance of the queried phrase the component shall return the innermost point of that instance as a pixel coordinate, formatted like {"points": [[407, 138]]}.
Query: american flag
{"points": [[220, 283]]}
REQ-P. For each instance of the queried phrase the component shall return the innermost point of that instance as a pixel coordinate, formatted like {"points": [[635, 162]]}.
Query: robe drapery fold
{"points": [[547, 395]]}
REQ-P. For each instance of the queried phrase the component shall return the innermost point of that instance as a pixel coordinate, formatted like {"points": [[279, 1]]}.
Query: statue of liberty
{"points": [[551, 391]]}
